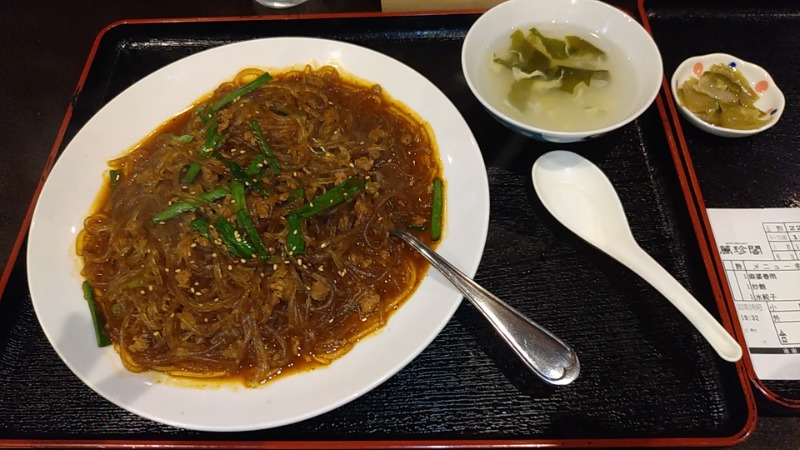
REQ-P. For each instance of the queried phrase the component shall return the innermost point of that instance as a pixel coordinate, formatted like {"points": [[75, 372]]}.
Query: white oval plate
{"points": [[68, 194]]}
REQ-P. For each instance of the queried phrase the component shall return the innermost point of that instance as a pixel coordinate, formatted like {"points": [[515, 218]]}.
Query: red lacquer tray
{"points": [[648, 378]]}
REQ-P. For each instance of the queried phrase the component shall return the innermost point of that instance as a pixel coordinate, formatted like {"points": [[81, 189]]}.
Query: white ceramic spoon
{"points": [[581, 197]]}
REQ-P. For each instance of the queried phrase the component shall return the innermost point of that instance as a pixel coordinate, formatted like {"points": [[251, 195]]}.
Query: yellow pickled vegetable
{"points": [[722, 96]]}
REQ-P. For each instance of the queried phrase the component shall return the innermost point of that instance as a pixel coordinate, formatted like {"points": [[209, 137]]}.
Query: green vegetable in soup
{"points": [[556, 48], [722, 96], [542, 64], [572, 76], [577, 47]]}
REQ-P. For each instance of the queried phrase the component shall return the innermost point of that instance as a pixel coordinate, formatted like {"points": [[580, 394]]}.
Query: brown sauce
{"points": [[181, 302]]}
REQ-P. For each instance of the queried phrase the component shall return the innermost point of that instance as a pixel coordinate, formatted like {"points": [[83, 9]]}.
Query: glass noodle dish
{"points": [[248, 236], [560, 78]]}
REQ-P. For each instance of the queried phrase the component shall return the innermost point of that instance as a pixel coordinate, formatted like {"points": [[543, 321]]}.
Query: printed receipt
{"points": [[760, 250]]}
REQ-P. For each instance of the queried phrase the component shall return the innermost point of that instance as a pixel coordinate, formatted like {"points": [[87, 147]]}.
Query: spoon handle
{"points": [[544, 353], [651, 271]]}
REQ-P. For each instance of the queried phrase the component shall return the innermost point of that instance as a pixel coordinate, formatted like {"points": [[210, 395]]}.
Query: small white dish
{"points": [[73, 184], [771, 98], [596, 18]]}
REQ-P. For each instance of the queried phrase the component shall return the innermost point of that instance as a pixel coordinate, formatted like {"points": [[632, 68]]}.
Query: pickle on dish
{"points": [[722, 96]]}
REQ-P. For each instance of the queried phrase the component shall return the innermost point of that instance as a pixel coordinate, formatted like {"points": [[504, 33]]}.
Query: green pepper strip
{"points": [[294, 196], [192, 170], [209, 147], [294, 240], [436, 210], [100, 332], [237, 195], [236, 93], [265, 148], [202, 226], [254, 168], [185, 139], [333, 197], [113, 177], [181, 207], [239, 247], [244, 221], [212, 141], [240, 174]]}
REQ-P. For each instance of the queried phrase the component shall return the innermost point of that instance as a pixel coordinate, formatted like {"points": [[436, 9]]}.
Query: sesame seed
{"points": [[194, 244], [177, 270], [321, 268], [230, 267], [142, 292], [324, 244], [275, 266], [166, 269], [150, 288], [242, 260], [198, 293], [191, 290], [299, 262], [213, 255]]}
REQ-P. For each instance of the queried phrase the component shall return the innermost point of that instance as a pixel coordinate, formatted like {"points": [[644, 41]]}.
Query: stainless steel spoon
{"points": [[583, 199], [544, 353]]}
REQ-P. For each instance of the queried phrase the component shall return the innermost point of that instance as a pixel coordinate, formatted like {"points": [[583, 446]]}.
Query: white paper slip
{"points": [[760, 250]]}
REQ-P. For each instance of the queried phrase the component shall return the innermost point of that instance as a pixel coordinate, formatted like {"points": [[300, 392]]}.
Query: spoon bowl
{"points": [[579, 195], [544, 353]]}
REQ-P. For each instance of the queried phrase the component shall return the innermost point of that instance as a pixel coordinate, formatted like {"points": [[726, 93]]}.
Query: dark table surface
{"points": [[43, 47]]}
